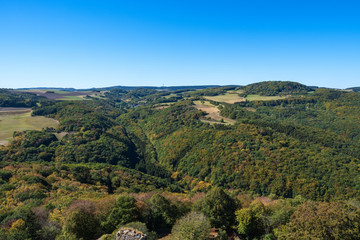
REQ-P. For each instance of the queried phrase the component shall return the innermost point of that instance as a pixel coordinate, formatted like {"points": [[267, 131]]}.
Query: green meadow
{"points": [[10, 122], [227, 97]]}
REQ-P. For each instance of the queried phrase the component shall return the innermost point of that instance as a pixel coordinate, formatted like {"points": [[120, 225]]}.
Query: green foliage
{"points": [[272, 151], [30, 146], [82, 174], [193, 226], [66, 236], [272, 88], [11, 98], [81, 115], [218, 207], [312, 220], [210, 91], [258, 221], [163, 213], [250, 220], [306, 144], [81, 221], [123, 212], [5, 175], [280, 213]]}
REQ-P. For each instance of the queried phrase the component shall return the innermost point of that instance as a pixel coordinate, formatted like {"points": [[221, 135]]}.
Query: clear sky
{"points": [[97, 43]]}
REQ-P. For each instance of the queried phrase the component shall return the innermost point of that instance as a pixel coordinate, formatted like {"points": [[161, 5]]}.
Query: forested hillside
{"points": [[9, 98], [272, 88], [153, 161]]}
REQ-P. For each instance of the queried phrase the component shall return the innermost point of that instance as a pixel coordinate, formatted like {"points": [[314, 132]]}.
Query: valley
{"points": [[271, 160]]}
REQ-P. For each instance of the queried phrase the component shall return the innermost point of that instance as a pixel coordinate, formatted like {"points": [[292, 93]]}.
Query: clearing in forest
{"points": [[20, 119], [213, 113], [233, 97], [227, 98]]}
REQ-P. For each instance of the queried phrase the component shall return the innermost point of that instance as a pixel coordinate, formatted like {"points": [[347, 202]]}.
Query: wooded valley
{"points": [[285, 167]]}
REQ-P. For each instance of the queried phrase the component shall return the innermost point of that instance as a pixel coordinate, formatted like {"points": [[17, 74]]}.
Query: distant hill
{"points": [[272, 88], [51, 88], [354, 89], [170, 88]]}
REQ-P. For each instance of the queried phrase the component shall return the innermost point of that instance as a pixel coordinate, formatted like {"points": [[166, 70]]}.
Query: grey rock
{"points": [[130, 234]]}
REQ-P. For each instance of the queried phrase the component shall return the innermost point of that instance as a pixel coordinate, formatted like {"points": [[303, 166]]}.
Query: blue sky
{"points": [[88, 43]]}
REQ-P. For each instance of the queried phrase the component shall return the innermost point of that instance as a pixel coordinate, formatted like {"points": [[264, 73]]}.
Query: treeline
{"points": [[142, 96], [10, 98], [209, 91], [72, 201]]}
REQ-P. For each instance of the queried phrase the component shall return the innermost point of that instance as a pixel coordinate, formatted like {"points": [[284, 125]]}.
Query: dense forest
{"points": [[151, 160], [272, 88]]}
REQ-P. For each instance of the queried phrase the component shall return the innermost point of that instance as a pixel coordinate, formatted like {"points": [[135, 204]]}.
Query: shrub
{"points": [[193, 226]]}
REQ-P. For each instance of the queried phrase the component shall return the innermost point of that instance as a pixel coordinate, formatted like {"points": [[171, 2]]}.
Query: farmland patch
{"points": [[20, 119]]}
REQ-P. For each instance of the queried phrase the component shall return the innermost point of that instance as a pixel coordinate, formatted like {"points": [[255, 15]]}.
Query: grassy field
{"points": [[264, 98], [10, 122], [233, 97], [228, 98], [171, 95]]}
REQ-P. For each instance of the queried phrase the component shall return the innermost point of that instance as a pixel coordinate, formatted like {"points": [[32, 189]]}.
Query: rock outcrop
{"points": [[130, 234]]}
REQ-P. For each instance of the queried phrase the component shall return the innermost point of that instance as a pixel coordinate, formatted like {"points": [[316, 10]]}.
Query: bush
{"points": [[123, 212], [163, 212], [81, 221], [250, 220], [218, 207], [194, 226]]}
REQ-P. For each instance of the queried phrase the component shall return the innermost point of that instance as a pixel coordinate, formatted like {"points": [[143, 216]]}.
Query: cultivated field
{"points": [[63, 95], [213, 113], [228, 98], [20, 119]]}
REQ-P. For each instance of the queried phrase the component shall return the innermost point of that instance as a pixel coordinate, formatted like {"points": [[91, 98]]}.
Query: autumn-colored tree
{"points": [[337, 220], [81, 221]]}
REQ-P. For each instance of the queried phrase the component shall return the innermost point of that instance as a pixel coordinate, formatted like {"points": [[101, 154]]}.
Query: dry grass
{"points": [[213, 113], [161, 107], [251, 109]]}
